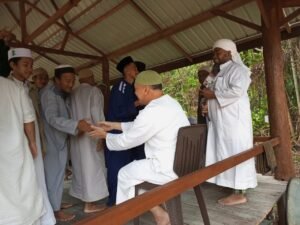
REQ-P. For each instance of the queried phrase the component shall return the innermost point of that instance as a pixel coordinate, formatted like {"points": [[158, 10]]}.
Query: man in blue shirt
{"points": [[123, 107]]}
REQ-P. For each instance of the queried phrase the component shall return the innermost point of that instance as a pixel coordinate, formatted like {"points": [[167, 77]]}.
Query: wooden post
{"points": [[277, 102], [105, 80]]}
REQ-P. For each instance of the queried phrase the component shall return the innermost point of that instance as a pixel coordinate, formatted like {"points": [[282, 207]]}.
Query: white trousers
{"points": [[138, 172]]}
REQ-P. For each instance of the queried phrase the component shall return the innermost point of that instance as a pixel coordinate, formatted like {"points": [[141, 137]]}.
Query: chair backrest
{"points": [[190, 149]]}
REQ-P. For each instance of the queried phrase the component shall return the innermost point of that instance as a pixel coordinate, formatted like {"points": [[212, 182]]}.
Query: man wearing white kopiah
{"points": [[20, 61], [157, 126], [58, 126], [230, 126], [21, 201], [87, 155]]}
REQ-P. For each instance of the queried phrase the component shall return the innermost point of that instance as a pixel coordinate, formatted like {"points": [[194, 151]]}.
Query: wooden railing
{"points": [[123, 213]]}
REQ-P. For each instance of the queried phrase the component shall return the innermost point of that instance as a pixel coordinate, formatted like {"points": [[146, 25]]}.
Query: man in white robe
{"points": [[58, 126], [157, 126], [20, 60], [21, 201], [230, 126], [87, 154]]}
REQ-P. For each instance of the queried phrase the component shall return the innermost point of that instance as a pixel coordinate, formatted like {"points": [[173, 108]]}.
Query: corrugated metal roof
{"points": [[125, 25]]}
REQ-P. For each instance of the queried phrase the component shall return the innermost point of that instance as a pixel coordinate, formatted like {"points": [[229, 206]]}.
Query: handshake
{"points": [[98, 131]]}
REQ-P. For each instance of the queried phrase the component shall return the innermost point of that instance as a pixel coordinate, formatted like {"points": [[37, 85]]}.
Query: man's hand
{"points": [[83, 126], [207, 93], [108, 126], [33, 149], [97, 132]]}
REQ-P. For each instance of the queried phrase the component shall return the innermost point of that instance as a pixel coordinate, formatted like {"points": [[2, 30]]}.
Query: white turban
{"points": [[229, 45]]}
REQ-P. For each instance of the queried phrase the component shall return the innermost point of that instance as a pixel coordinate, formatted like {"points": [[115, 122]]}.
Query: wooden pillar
{"points": [[277, 102], [105, 80]]}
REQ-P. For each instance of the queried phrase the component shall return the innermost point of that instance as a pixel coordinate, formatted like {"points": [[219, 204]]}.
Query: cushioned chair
{"points": [[189, 157]]}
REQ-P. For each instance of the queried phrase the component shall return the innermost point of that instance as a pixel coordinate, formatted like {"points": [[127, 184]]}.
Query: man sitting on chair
{"points": [[157, 126]]}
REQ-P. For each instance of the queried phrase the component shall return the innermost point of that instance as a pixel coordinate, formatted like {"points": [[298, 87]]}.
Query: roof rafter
{"points": [[204, 56], [102, 17], [67, 30], [23, 20], [57, 15], [290, 3], [56, 51], [237, 20], [290, 17], [154, 24], [204, 16], [263, 12]]}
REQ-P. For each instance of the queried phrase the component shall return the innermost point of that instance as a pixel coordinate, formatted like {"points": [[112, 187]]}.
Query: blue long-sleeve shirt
{"points": [[121, 106]]}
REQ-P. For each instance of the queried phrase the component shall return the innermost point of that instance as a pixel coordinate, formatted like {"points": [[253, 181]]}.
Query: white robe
{"points": [[21, 201], [88, 180], [48, 217], [157, 126], [230, 126]]}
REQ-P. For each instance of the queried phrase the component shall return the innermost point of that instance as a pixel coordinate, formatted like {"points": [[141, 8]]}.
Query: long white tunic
{"points": [[48, 217], [157, 126], [88, 180], [21, 201], [230, 126]]}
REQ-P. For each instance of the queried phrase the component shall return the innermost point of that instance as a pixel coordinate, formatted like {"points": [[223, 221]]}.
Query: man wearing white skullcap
{"points": [[157, 126], [58, 126], [87, 154], [230, 127], [21, 200], [20, 60]]}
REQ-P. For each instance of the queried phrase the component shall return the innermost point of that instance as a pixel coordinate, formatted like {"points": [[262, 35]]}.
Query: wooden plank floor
{"points": [[261, 201]]}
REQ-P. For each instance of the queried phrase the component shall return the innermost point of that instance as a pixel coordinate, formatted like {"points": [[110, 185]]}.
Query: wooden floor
{"points": [[261, 201]]}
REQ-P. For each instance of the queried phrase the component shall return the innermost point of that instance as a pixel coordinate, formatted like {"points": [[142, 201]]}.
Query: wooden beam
{"points": [[73, 35], [22, 20], [126, 211], [263, 12], [204, 16], [277, 102], [82, 12], [290, 3], [49, 58], [12, 13], [237, 20], [154, 24], [64, 42], [55, 51], [290, 17], [57, 15], [63, 18], [7, 1], [102, 17], [207, 55], [27, 13]]}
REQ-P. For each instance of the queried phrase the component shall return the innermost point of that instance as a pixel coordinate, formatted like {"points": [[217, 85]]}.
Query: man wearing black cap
{"points": [[58, 126], [123, 107]]}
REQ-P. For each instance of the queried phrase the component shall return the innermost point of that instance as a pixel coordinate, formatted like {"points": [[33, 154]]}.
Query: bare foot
{"points": [[63, 217], [92, 207], [233, 199], [160, 215], [65, 205]]}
